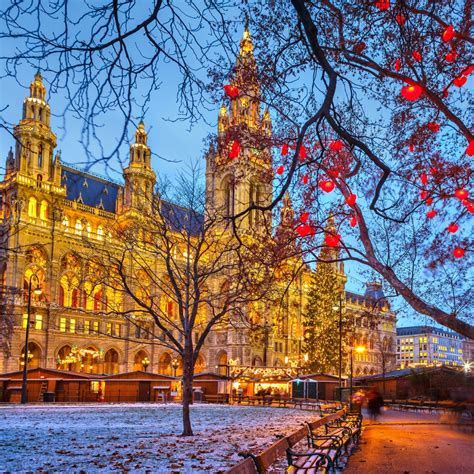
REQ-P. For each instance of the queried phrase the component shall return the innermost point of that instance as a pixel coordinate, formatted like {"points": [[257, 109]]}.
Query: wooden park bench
{"points": [[217, 398]]}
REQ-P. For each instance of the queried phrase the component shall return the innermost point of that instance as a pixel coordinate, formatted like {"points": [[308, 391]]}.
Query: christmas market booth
{"points": [[249, 381], [315, 387]]}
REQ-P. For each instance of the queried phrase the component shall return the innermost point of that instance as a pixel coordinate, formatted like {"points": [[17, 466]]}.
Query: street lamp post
{"points": [[145, 363], [24, 385], [174, 365], [359, 350]]}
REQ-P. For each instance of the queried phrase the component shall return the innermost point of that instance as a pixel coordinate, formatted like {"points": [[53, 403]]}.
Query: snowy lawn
{"points": [[137, 437]]}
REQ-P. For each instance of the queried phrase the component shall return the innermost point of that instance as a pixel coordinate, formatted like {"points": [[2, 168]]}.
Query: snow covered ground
{"points": [[136, 437]]}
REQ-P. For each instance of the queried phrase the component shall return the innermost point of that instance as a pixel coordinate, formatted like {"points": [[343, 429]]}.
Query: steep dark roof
{"points": [[89, 189], [182, 219]]}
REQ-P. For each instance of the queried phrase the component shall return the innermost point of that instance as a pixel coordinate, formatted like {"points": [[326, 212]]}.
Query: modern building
{"points": [[50, 211], [428, 346]]}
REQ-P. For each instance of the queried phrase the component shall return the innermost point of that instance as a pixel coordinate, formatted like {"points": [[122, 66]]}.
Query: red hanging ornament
{"points": [[411, 148], [336, 145], [398, 65], [451, 56], [458, 252], [429, 201], [400, 20], [434, 127], [353, 221], [461, 194], [333, 172], [448, 34], [460, 81], [431, 214], [302, 152], [284, 150], [383, 5], [424, 194], [234, 150], [433, 170], [412, 92], [327, 186], [470, 148], [416, 56], [468, 70], [304, 217], [305, 230], [453, 228], [470, 207], [231, 91], [351, 199], [332, 240], [305, 179], [424, 178], [280, 169]]}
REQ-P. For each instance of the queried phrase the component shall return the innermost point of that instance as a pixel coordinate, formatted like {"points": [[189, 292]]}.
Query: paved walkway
{"points": [[412, 443]]}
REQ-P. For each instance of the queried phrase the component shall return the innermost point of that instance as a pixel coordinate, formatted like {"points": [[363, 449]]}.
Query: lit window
{"points": [[117, 330], [39, 321], [66, 223], [32, 204], [95, 326], [78, 227], [108, 329], [100, 233], [44, 210], [25, 321], [87, 326], [62, 324], [88, 229], [72, 325]]}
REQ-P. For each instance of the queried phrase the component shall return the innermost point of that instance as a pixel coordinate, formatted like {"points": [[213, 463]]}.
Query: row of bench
{"points": [[330, 439], [285, 402]]}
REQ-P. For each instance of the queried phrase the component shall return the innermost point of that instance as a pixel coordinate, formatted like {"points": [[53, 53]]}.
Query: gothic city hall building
{"points": [[53, 214]]}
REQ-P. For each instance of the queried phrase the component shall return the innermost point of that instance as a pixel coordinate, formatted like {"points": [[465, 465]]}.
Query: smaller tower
{"points": [[139, 177]]}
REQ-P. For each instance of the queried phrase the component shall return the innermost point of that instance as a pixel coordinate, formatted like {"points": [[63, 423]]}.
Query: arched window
{"points": [[100, 233], [78, 227], [32, 206], [254, 198], [44, 210], [69, 293], [229, 198], [164, 364], [88, 229], [199, 365], [34, 356], [40, 117], [65, 223], [111, 365], [40, 154], [141, 361]]}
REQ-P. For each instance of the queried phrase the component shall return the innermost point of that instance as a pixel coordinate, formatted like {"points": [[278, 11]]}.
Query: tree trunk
{"points": [[188, 374]]}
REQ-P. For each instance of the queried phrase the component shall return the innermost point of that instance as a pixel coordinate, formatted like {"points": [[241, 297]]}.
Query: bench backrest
{"points": [[246, 466], [273, 453], [297, 436], [314, 425]]}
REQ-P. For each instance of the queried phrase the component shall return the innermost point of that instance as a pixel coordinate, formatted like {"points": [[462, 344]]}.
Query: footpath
{"points": [[412, 443]]}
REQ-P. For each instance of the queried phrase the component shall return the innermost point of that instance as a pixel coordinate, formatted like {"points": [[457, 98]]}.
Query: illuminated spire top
{"points": [[140, 134], [246, 45], [37, 89]]}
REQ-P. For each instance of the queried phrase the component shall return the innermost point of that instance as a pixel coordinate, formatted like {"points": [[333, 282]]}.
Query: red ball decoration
{"points": [[423, 194], [284, 150], [458, 252], [332, 240], [327, 186], [302, 152], [451, 56], [353, 221], [448, 34], [231, 91], [400, 20], [412, 92], [433, 170], [280, 169], [416, 56], [461, 194], [470, 207], [305, 230], [336, 145], [351, 199], [304, 217], [383, 5], [470, 148], [411, 148], [305, 179], [234, 150], [431, 214], [398, 65], [424, 178], [433, 126], [429, 201], [453, 228], [460, 81], [333, 172]]}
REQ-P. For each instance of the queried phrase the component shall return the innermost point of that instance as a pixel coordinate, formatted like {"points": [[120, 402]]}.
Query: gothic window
{"points": [[229, 198], [65, 223], [40, 156], [32, 205], [88, 229], [78, 227], [40, 118], [44, 210], [100, 233]]}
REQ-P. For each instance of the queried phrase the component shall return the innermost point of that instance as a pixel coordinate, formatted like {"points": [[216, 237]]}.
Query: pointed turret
{"points": [[9, 164], [287, 213]]}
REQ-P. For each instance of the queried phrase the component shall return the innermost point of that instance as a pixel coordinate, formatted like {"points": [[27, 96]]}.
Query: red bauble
{"points": [[302, 152], [416, 56], [304, 230], [284, 150], [468, 70], [470, 148], [424, 194], [433, 170], [351, 199], [470, 207], [453, 228], [412, 92], [398, 65], [332, 240], [429, 201], [231, 91], [400, 20], [305, 179], [460, 81], [353, 221], [461, 194], [234, 150], [424, 178], [411, 148], [280, 169], [383, 5], [451, 56], [448, 34], [431, 214], [304, 217], [458, 252], [433, 126], [327, 186], [336, 145]]}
